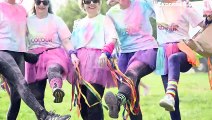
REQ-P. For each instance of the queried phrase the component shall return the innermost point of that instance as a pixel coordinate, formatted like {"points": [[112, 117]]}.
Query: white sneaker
{"points": [[168, 103]]}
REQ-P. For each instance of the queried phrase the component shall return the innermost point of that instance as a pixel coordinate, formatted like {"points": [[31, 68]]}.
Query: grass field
{"points": [[195, 100]]}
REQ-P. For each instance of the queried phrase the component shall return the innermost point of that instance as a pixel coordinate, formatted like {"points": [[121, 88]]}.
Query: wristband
{"points": [[72, 52], [109, 48]]}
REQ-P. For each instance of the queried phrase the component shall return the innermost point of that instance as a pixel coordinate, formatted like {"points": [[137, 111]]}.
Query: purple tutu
{"points": [[146, 56], [90, 69], [38, 71]]}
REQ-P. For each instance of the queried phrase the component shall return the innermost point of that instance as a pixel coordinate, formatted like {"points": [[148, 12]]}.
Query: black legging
{"points": [[38, 89], [175, 115], [94, 112], [135, 71], [12, 68], [55, 71]]}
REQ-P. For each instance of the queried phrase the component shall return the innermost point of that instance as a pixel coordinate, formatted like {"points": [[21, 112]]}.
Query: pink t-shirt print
{"points": [[169, 28], [133, 29]]}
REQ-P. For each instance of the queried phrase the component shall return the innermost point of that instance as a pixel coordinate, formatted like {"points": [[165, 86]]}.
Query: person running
{"points": [[138, 50], [173, 20], [146, 88], [48, 36], [12, 50]]}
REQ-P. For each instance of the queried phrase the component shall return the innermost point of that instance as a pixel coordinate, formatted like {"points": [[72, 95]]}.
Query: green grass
{"points": [[195, 100]]}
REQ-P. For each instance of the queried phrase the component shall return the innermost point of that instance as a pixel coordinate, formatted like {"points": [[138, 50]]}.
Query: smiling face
{"points": [[41, 6], [92, 7]]}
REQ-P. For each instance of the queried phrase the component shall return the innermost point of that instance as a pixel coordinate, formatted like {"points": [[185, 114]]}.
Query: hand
{"points": [[102, 60], [209, 17], [74, 60]]}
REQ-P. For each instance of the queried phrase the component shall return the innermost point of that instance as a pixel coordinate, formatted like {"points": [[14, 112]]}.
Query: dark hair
{"points": [[49, 8]]}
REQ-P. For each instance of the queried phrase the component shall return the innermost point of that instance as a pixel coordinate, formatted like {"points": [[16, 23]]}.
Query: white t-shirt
{"points": [[180, 15], [47, 32], [93, 32], [12, 27]]}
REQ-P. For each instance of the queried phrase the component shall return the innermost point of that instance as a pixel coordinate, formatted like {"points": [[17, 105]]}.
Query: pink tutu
{"points": [[91, 71], [38, 71]]}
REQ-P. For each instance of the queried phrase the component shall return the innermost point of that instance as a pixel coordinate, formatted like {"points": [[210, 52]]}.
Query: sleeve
{"points": [[149, 7], [63, 30], [109, 30], [74, 36], [23, 9], [192, 16]]}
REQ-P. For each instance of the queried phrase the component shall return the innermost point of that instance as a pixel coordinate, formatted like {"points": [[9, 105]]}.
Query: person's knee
{"points": [[55, 68], [131, 74], [173, 58], [54, 71]]}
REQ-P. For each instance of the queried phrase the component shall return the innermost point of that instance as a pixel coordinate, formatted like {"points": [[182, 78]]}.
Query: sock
{"points": [[56, 83], [171, 88], [121, 98]]}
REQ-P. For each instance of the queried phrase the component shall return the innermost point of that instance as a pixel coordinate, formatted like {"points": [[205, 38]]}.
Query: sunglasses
{"points": [[89, 1], [38, 2]]}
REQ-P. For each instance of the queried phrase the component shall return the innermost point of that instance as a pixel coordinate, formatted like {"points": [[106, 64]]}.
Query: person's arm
{"points": [[111, 38], [201, 24], [72, 53], [151, 9], [65, 35], [194, 19], [66, 43]]}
